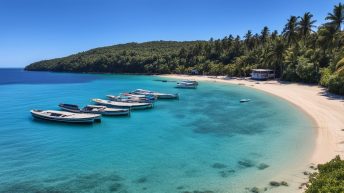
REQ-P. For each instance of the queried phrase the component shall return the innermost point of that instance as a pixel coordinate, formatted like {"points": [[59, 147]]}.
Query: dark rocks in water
{"points": [[262, 166], [246, 163], [141, 180], [284, 183], [275, 184], [115, 187], [226, 173], [218, 166], [144, 188], [180, 187], [255, 190]]}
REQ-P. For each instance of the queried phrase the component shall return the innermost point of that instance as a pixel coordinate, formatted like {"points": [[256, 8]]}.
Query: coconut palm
{"points": [[306, 25], [276, 54], [290, 30], [264, 35], [336, 17]]}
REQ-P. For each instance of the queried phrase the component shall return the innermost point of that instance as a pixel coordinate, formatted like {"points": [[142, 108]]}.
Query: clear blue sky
{"points": [[33, 30]]}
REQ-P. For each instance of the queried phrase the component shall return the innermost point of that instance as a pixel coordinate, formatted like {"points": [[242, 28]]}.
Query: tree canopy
{"points": [[302, 52]]}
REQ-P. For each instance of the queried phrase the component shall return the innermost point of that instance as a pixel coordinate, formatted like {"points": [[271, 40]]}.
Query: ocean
{"points": [[205, 141]]}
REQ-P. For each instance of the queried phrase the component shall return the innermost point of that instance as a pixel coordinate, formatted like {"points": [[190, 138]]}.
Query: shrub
{"points": [[330, 178]]}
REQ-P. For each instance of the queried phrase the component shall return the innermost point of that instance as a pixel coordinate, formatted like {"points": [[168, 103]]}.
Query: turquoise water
{"points": [[206, 140]]}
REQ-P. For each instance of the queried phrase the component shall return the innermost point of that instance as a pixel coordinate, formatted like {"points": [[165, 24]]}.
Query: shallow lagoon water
{"points": [[206, 140]]}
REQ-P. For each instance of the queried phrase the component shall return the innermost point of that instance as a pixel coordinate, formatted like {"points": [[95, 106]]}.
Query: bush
{"points": [[306, 71], [336, 84], [330, 178], [325, 77]]}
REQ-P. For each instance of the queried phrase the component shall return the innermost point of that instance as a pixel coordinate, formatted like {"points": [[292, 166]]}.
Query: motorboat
{"points": [[130, 99], [190, 82], [67, 117], [245, 100], [116, 104], [95, 109], [186, 85], [156, 94]]}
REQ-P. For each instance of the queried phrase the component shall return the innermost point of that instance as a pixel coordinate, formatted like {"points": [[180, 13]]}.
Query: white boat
{"points": [[67, 117], [190, 82], [186, 85], [156, 94], [130, 99], [95, 109], [116, 104]]}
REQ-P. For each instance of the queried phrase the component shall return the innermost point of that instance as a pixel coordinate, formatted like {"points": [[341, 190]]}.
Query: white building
{"points": [[262, 74]]}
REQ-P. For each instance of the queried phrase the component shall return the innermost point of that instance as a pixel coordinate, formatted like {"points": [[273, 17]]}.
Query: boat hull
{"points": [[65, 120], [126, 105], [124, 112]]}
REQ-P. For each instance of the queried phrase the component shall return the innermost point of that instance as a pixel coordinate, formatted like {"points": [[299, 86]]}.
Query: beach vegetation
{"points": [[302, 52], [329, 178]]}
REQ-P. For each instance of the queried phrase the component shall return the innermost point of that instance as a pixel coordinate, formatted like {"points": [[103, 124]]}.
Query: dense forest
{"points": [[302, 52]]}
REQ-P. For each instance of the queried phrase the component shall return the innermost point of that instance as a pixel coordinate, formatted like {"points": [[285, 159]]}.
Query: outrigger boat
{"points": [[116, 104], [67, 117], [156, 94], [95, 109]]}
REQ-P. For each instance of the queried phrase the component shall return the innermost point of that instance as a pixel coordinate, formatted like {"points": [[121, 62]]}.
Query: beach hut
{"points": [[262, 74]]}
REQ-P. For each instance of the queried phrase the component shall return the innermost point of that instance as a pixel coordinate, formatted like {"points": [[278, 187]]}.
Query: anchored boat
{"points": [[95, 109], [156, 94], [187, 84], [67, 117], [130, 99], [245, 100], [132, 105]]}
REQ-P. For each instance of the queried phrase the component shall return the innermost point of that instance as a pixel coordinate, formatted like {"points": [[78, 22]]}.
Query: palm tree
{"points": [[264, 35], [276, 54], [248, 40], [337, 17], [290, 30], [306, 25]]}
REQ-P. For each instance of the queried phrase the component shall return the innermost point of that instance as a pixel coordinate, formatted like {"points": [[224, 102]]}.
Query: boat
{"points": [[95, 109], [245, 100], [130, 99], [156, 94], [117, 104], [186, 85], [67, 117], [190, 82]]}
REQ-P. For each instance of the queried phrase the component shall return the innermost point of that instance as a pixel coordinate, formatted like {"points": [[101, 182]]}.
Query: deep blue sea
{"points": [[205, 141]]}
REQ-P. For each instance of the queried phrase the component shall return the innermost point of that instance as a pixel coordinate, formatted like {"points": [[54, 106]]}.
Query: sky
{"points": [[33, 30]]}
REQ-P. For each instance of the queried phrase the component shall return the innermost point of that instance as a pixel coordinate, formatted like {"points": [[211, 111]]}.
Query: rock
{"points": [[274, 183], [180, 187], [141, 180], [306, 173], [284, 183], [219, 165], [115, 187], [246, 163], [255, 190], [226, 173], [262, 166]]}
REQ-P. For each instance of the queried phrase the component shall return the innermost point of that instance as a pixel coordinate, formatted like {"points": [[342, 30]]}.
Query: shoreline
{"points": [[325, 109]]}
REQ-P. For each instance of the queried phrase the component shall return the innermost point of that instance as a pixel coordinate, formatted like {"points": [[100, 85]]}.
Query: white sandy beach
{"points": [[327, 110]]}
